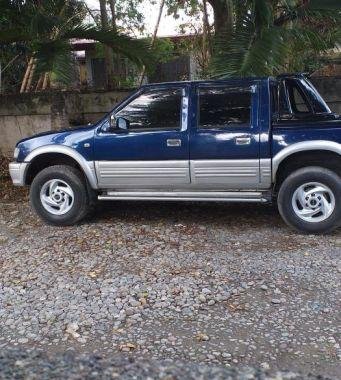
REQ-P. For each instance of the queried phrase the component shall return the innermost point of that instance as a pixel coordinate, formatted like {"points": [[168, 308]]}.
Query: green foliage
{"points": [[137, 51], [189, 7], [46, 27], [13, 61], [128, 14], [54, 57], [163, 50], [325, 4], [271, 37]]}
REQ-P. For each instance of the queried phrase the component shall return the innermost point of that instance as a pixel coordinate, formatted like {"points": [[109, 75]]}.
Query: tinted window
{"points": [[220, 107], [274, 98], [159, 109], [297, 98], [284, 106], [318, 103]]}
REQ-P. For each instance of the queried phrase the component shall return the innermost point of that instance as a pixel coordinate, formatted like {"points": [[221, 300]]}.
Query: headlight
{"points": [[16, 153]]}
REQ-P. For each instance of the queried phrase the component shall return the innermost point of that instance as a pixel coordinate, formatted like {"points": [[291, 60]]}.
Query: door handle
{"points": [[243, 140], [173, 142]]}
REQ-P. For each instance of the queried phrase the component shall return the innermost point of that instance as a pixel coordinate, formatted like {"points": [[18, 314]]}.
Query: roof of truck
{"points": [[228, 80]]}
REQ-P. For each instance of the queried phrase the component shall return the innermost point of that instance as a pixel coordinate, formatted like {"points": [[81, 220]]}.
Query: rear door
{"points": [[224, 140]]}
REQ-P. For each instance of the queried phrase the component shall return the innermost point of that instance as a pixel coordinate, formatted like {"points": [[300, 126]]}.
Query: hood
{"points": [[79, 128]]}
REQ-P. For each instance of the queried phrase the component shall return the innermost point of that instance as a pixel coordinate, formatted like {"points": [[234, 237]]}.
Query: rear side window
{"points": [[299, 103], [223, 107]]}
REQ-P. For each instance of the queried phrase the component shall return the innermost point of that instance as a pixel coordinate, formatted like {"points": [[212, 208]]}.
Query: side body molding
{"points": [[301, 147], [88, 167]]}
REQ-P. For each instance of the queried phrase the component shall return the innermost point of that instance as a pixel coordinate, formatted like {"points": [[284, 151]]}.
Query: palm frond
{"points": [[259, 46], [246, 57], [324, 4], [262, 12], [9, 36], [54, 57], [138, 51]]}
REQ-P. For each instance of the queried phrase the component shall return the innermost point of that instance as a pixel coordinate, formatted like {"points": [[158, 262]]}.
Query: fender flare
{"points": [[88, 167], [326, 145]]}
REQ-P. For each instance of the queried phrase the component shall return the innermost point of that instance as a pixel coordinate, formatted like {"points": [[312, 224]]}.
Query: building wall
{"points": [[24, 115], [330, 89], [175, 70]]}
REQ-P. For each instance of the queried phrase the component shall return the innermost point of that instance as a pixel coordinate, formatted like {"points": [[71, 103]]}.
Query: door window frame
{"points": [[309, 94], [252, 89], [183, 116]]}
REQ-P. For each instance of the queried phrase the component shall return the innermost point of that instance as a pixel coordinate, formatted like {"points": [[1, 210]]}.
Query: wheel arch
{"points": [[49, 155], [304, 146], [327, 156]]}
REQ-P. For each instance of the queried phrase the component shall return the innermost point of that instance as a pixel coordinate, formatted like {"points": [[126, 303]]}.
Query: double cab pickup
{"points": [[239, 140]]}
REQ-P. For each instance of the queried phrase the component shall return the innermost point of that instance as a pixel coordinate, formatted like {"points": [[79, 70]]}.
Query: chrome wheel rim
{"points": [[313, 202], [57, 197]]}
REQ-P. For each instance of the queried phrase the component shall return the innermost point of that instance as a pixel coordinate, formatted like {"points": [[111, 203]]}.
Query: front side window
{"points": [[153, 110], [221, 107]]}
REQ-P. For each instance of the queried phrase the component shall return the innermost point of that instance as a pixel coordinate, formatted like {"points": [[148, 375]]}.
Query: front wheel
{"points": [[309, 200], [59, 195]]}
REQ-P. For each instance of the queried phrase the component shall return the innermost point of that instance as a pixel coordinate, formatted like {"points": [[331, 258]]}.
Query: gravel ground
{"points": [[213, 285], [20, 364]]}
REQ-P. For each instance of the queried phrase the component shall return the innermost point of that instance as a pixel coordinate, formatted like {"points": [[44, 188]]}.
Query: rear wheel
{"points": [[59, 195], [309, 200]]}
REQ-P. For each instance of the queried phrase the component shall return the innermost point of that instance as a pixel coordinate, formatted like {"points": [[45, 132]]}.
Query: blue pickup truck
{"points": [[240, 140]]}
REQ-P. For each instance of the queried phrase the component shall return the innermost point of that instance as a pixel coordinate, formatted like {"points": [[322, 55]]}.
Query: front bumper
{"points": [[17, 170]]}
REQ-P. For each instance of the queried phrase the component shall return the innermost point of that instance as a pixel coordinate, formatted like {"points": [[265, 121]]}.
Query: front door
{"points": [[224, 140], [153, 151]]}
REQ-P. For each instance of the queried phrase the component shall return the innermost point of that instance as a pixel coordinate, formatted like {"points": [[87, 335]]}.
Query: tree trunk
{"points": [[112, 4], [162, 4], [40, 82], [30, 77], [222, 15], [45, 81], [108, 52], [206, 39], [26, 76], [206, 26]]}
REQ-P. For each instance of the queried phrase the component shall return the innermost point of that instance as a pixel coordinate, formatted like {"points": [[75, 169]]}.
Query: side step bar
{"points": [[214, 196]]}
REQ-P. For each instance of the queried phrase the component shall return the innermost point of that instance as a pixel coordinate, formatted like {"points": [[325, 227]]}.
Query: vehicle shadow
{"points": [[207, 213]]}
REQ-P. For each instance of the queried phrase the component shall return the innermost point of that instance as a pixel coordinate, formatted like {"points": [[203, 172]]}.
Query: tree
{"points": [[156, 28], [108, 52], [223, 15], [261, 37], [270, 37], [120, 16], [127, 15], [123, 15], [46, 27], [221, 9]]}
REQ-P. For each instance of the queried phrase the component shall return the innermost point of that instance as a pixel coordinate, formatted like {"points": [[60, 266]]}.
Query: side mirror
{"points": [[118, 124], [122, 123]]}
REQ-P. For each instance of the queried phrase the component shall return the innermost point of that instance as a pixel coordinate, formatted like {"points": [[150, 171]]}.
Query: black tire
{"points": [[82, 195], [293, 182]]}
